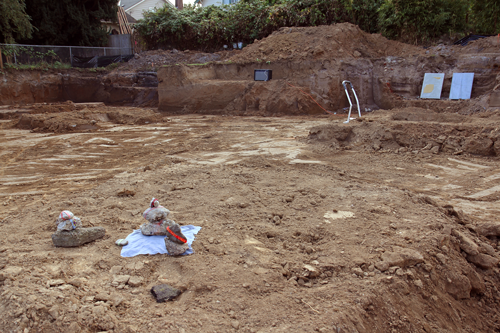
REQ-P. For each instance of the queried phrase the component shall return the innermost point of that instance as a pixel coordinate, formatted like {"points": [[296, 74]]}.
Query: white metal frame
{"points": [[344, 83]]}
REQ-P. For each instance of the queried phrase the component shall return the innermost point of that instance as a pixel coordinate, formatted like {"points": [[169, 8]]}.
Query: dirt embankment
{"points": [[414, 131], [313, 62]]}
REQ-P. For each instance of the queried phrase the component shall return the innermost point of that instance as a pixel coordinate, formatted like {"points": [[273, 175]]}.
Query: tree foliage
{"points": [[70, 22], [208, 28], [415, 21], [14, 22], [418, 20], [486, 16]]}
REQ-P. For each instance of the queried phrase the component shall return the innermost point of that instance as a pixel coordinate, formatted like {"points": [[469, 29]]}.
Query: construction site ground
{"points": [[301, 218]]}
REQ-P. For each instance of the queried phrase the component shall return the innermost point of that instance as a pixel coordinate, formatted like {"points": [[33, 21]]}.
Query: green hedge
{"points": [[416, 21], [421, 20], [208, 28]]}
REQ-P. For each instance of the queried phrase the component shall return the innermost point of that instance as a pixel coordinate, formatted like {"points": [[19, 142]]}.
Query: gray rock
{"points": [[476, 281], [358, 271], [135, 281], [156, 214], [235, 324], [466, 244], [164, 292], [488, 229], [402, 257], [77, 237], [441, 257], [156, 229], [175, 249], [483, 261], [457, 285], [121, 242], [68, 225], [120, 279], [382, 266], [176, 229]]}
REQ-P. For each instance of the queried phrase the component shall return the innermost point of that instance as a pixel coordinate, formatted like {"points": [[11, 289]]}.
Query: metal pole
{"points": [[70, 57], [15, 59], [104, 51]]}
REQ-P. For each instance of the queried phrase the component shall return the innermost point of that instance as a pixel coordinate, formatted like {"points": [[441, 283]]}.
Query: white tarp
{"points": [[433, 85], [461, 85]]}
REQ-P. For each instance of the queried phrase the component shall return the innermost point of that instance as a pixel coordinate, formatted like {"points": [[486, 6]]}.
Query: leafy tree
{"points": [[365, 14], [70, 22], [420, 20], [486, 16], [210, 27], [14, 22]]}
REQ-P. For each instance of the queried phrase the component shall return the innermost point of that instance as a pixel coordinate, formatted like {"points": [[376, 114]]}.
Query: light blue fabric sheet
{"points": [[140, 244]]}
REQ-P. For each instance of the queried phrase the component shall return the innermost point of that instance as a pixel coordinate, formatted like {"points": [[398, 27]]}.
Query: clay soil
{"points": [[308, 224]]}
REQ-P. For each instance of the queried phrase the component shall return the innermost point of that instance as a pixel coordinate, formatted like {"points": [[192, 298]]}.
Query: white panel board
{"points": [[433, 85], [461, 85]]}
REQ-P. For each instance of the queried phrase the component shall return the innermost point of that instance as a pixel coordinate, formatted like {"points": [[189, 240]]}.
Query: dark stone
{"points": [[176, 229], [77, 237], [164, 292]]}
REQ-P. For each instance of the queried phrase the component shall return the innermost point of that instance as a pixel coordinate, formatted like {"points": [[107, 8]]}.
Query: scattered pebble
{"points": [[121, 242]]}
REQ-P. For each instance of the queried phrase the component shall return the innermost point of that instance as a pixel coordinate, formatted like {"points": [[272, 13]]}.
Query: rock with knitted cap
{"points": [[156, 216], [67, 221], [70, 232], [175, 242]]}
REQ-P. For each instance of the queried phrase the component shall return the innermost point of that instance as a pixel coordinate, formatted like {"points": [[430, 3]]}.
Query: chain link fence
{"points": [[21, 54]]}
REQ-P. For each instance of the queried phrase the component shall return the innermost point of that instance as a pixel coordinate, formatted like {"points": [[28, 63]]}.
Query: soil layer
{"points": [[302, 230]]}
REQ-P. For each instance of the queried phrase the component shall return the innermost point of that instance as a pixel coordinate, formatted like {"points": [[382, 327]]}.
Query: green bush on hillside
{"points": [[419, 20], [208, 28], [414, 21]]}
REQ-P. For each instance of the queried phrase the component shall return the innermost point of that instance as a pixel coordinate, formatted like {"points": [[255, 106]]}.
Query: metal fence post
{"points": [[70, 57], [104, 51]]}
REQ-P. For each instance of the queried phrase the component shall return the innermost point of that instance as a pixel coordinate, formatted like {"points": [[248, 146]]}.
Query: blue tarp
{"points": [[140, 244]]}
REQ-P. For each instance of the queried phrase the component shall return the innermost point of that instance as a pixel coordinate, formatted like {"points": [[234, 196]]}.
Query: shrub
{"points": [[485, 16], [208, 28], [420, 20]]}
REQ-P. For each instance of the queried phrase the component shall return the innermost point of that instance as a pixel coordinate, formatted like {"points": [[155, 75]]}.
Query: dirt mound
{"points": [[276, 98], [416, 131], [342, 40], [87, 119], [57, 123], [52, 107], [150, 60], [483, 45]]}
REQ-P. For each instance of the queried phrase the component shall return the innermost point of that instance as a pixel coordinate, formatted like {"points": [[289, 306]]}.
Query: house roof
{"points": [[126, 4], [130, 19]]}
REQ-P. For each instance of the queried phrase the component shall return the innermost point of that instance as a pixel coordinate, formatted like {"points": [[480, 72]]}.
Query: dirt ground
{"points": [[294, 225], [385, 224]]}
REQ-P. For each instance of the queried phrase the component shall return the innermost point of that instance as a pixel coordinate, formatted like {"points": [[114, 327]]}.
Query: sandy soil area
{"points": [[302, 230]]}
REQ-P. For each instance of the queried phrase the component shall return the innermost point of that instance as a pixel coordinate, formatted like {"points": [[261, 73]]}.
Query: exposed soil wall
{"points": [[414, 131], [316, 60], [38, 87], [379, 83]]}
